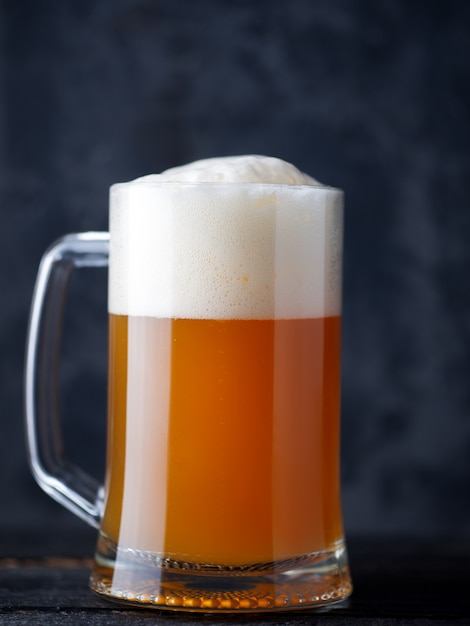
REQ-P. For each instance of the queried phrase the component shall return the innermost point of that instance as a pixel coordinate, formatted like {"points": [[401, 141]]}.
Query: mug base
{"points": [[316, 580]]}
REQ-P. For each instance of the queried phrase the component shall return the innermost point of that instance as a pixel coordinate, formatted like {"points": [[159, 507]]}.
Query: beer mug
{"points": [[222, 485]]}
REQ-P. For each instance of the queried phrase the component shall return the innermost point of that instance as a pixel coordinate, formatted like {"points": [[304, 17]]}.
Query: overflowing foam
{"points": [[259, 240], [236, 169]]}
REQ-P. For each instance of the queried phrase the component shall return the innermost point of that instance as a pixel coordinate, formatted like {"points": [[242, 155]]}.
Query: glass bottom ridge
{"points": [[316, 580]]}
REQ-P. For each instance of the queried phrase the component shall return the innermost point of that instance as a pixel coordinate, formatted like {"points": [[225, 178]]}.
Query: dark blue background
{"points": [[369, 96]]}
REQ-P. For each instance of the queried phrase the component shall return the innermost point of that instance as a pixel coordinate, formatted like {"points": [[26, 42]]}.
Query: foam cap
{"points": [[230, 238]]}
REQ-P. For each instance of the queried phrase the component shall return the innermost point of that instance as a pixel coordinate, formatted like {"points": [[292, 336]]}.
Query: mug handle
{"points": [[61, 479]]}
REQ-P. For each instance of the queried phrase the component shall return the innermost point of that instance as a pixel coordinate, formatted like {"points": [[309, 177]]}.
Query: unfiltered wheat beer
{"points": [[224, 394], [229, 433]]}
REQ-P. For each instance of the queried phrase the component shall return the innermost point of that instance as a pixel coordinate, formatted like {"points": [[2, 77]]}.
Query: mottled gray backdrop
{"points": [[370, 96]]}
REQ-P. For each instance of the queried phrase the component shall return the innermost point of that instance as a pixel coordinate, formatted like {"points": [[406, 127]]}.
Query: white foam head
{"points": [[231, 238], [252, 168]]}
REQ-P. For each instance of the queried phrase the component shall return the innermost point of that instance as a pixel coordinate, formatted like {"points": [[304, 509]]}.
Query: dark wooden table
{"points": [[44, 580]]}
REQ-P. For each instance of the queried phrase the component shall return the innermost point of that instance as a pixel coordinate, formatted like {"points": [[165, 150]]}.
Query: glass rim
{"points": [[224, 185]]}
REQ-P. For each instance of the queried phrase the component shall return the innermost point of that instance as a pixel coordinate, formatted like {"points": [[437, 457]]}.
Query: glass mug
{"points": [[222, 488]]}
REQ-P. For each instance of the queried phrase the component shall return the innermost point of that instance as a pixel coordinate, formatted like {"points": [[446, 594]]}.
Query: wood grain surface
{"points": [[400, 581]]}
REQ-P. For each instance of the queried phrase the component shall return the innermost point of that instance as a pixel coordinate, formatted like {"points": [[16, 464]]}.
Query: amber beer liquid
{"points": [[236, 461], [224, 397]]}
